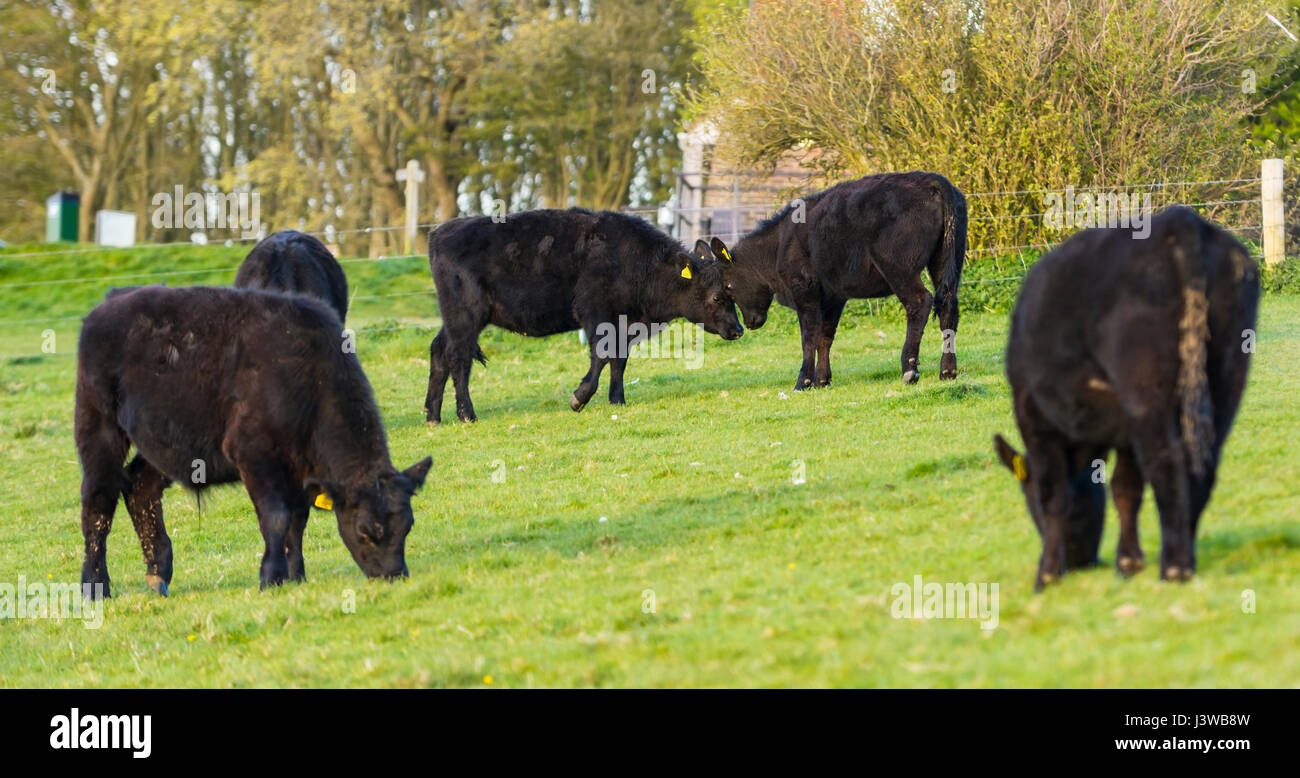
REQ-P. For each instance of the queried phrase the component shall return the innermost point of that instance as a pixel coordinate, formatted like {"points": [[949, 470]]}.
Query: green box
{"points": [[62, 211]]}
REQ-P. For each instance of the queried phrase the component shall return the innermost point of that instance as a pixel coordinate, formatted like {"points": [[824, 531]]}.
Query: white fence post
{"points": [[1270, 173], [413, 176]]}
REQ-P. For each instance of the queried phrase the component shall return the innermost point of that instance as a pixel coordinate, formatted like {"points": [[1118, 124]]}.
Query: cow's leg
{"points": [[1048, 469], [591, 381], [616, 367], [274, 518], [948, 318], [1126, 487], [143, 497], [275, 495], [1087, 507], [1200, 488], [102, 446], [831, 311], [460, 378], [1164, 465], [810, 335], [299, 512], [917, 302], [461, 325], [438, 374]]}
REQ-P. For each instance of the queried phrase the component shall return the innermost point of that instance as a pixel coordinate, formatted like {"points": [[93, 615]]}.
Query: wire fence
{"points": [[982, 204]]}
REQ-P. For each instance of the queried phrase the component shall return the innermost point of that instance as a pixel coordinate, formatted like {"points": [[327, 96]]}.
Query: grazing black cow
{"points": [[871, 237], [543, 272], [292, 261], [1141, 346], [217, 385]]}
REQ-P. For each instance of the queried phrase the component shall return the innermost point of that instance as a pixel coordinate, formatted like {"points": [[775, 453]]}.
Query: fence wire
{"points": [[386, 325]]}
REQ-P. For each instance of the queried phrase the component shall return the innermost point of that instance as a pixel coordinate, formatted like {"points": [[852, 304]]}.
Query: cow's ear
{"points": [[720, 250], [418, 472], [702, 249], [686, 261], [322, 494], [1010, 458]]}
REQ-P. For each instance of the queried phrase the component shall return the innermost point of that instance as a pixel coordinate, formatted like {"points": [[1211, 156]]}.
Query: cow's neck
{"points": [[348, 441], [756, 255]]}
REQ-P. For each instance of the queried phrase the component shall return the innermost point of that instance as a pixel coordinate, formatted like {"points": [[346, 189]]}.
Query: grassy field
{"points": [[543, 534]]}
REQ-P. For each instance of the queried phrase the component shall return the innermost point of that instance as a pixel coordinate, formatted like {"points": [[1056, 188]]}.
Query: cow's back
{"points": [[174, 367], [856, 226], [1104, 310], [295, 262], [526, 271]]}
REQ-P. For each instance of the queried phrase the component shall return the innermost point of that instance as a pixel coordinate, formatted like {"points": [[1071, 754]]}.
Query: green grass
{"points": [[757, 581]]}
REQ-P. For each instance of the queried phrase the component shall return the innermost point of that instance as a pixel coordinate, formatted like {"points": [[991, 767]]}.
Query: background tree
{"points": [[316, 106], [1007, 96]]}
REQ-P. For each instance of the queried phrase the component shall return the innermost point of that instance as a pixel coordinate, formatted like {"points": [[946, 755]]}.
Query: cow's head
{"points": [[753, 296], [704, 295], [374, 516], [1085, 510]]}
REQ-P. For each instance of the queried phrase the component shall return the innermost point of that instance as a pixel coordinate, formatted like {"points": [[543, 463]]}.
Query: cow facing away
{"points": [[1136, 345], [867, 238], [544, 272], [213, 386], [292, 261]]}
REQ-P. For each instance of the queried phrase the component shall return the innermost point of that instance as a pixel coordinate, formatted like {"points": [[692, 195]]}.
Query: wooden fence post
{"points": [[1270, 173]]}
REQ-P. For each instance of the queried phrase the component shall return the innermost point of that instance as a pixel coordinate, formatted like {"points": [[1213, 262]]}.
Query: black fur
{"points": [[871, 237], [544, 272], [1135, 345], [233, 385], [292, 261]]}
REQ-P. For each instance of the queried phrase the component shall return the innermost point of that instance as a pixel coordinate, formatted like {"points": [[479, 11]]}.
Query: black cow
{"points": [[1141, 346], [292, 261], [214, 386], [871, 237], [543, 272]]}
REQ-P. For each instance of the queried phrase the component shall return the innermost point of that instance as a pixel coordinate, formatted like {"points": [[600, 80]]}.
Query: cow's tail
{"points": [[1196, 408], [954, 245]]}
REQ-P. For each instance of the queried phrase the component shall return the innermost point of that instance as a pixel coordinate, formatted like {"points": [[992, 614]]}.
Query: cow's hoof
{"points": [[911, 376], [575, 403], [947, 375], [1175, 573], [1129, 565], [96, 590], [157, 584]]}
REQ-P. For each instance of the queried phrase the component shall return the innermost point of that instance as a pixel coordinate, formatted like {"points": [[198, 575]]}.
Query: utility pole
{"points": [[413, 176]]}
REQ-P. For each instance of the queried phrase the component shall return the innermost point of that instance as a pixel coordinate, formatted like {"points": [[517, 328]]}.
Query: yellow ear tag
{"points": [[686, 272], [324, 502], [726, 254], [1018, 467]]}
